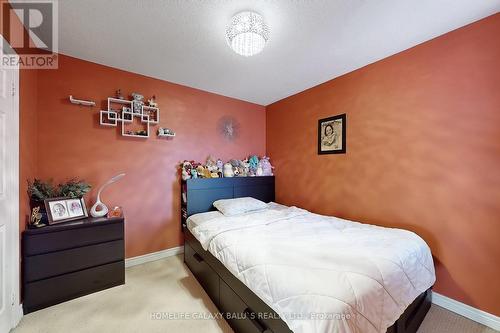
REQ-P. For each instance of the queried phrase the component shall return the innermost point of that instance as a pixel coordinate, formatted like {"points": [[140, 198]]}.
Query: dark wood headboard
{"points": [[199, 194]]}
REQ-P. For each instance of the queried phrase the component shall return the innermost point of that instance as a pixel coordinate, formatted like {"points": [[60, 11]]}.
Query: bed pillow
{"points": [[232, 207], [200, 218]]}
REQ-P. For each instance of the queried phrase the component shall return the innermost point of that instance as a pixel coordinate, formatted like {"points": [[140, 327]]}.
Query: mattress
{"points": [[321, 273]]}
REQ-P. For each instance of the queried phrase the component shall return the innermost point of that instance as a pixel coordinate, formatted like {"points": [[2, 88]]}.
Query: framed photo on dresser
{"points": [[65, 209], [332, 135]]}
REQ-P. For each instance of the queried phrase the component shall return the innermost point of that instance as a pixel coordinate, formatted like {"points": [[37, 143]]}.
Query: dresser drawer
{"points": [[58, 289], [241, 318], [51, 264], [67, 239], [203, 272]]}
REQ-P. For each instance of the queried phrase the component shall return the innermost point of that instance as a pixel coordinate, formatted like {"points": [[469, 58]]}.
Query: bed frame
{"points": [[243, 310]]}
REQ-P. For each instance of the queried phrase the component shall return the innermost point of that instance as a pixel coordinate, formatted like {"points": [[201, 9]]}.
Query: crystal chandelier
{"points": [[247, 33]]}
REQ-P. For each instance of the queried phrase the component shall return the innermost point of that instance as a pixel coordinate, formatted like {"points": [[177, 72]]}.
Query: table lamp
{"points": [[103, 209]]}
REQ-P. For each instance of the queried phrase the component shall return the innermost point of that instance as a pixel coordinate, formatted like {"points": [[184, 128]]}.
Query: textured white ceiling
{"points": [[311, 41]]}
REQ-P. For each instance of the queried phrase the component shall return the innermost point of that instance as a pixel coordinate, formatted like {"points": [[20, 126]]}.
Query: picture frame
{"points": [[332, 135], [65, 209]]}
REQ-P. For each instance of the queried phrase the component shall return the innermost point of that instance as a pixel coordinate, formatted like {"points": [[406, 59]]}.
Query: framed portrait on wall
{"points": [[332, 135]]}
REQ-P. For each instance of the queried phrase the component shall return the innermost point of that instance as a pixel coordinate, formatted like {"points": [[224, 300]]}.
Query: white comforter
{"points": [[319, 273]]}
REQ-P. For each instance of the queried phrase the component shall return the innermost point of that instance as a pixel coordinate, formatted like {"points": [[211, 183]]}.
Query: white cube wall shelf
{"points": [[123, 111], [124, 133], [108, 118], [150, 109], [127, 116]]}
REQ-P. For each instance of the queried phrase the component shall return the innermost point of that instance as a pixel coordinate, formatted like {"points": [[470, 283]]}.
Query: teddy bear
{"points": [[228, 170]]}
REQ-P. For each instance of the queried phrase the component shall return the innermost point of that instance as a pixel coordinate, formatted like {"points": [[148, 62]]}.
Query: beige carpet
{"points": [[166, 287]]}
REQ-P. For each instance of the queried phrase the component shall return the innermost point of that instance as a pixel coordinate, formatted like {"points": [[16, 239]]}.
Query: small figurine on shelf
{"points": [[163, 131], [228, 170], [118, 94], [138, 102], [267, 168], [152, 102], [117, 211], [36, 218]]}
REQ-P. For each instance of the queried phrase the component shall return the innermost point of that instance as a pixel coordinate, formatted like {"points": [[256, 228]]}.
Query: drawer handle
{"points": [[198, 257], [252, 317]]}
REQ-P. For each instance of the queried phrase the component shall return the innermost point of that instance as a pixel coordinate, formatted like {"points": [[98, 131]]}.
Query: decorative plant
{"points": [[73, 188], [40, 190]]}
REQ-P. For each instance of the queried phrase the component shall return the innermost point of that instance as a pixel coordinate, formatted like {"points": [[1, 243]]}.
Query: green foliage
{"points": [[74, 188], [40, 190]]}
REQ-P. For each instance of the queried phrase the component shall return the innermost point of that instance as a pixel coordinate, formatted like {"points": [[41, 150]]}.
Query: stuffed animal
{"points": [[228, 170], [203, 172], [267, 168], [253, 162], [259, 171], [235, 163], [245, 167], [239, 168], [194, 173], [220, 167], [186, 170], [211, 165]]}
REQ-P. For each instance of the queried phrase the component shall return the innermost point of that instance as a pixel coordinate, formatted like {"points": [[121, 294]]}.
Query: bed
{"points": [[284, 269]]}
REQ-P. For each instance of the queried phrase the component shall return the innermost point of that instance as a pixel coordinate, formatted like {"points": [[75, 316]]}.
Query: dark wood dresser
{"points": [[68, 260]]}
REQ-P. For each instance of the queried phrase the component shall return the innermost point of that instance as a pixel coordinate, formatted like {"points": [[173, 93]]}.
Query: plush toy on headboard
{"points": [[267, 168], [220, 167], [186, 170], [253, 164], [211, 166], [228, 170]]}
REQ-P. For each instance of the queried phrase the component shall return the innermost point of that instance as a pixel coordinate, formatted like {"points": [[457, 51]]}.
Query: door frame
{"points": [[12, 164]]}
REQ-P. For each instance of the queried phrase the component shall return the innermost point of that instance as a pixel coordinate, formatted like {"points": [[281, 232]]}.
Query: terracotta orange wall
{"points": [[27, 139], [423, 153], [72, 144]]}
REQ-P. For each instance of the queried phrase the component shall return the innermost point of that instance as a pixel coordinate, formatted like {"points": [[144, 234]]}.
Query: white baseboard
{"points": [[153, 256], [467, 311], [17, 315]]}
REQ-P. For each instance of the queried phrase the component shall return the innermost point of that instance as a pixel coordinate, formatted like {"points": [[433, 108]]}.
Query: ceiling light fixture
{"points": [[247, 33]]}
